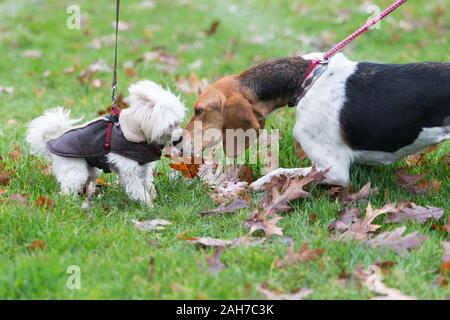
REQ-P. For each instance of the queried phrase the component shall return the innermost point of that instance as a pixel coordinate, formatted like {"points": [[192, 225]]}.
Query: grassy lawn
{"points": [[113, 256]]}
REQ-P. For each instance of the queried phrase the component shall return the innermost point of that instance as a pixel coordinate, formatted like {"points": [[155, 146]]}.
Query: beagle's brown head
{"points": [[242, 102]]}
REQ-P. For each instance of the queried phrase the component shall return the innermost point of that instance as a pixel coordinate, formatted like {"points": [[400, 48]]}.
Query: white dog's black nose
{"points": [[175, 142]]}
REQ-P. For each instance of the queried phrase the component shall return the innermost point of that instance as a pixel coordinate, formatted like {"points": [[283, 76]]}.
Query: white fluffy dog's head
{"points": [[154, 113]]}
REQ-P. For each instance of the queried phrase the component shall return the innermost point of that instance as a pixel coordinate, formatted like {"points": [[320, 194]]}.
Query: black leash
{"points": [[114, 82], [115, 110]]}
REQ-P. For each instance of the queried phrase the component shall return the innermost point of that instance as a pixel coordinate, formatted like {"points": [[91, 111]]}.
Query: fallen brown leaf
{"points": [[385, 265], [362, 229], [304, 255], [149, 225], [89, 193], [445, 265], [166, 62], [37, 244], [419, 159], [8, 90], [224, 181], [301, 155], [214, 262], [447, 227], [44, 202], [259, 221], [347, 196], [213, 28], [86, 76], [209, 242], [4, 178], [414, 183], [346, 217], [32, 53], [299, 294], [205, 242], [397, 242], [20, 199], [236, 204], [16, 154], [192, 84], [294, 188], [374, 282], [417, 213]]}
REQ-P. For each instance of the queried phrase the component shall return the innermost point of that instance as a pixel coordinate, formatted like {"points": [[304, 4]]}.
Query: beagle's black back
{"points": [[387, 106]]}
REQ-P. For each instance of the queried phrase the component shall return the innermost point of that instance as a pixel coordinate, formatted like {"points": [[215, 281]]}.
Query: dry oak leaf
{"points": [[411, 211], [16, 153], [37, 244], [148, 225], [346, 196], [213, 27], [304, 255], [445, 266], [205, 242], [166, 62], [447, 227], [419, 159], [8, 90], [32, 53], [299, 294], [85, 76], [4, 178], [374, 282], [44, 202], [234, 205], [301, 155], [224, 180], [397, 242], [192, 84], [188, 166], [20, 199], [278, 199], [345, 218], [415, 183], [259, 221], [214, 262], [362, 230]]}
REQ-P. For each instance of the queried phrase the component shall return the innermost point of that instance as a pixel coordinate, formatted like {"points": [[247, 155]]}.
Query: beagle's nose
{"points": [[175, 142]]}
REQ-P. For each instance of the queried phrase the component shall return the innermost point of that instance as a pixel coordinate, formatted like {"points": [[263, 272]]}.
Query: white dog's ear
{"points": [[140, 94], [156, 109]]}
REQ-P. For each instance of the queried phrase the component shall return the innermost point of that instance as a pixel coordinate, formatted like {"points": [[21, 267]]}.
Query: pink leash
{"points": [[341, 45]]}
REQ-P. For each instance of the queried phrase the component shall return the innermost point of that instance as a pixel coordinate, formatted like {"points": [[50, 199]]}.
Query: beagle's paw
{"points": [[259, 185]]}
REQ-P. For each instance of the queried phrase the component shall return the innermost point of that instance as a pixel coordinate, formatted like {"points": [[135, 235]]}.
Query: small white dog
{"points": [[78, 152]]}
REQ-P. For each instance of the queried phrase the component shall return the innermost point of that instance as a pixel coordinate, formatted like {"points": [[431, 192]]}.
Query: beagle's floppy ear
{"points": [[238, 114]]}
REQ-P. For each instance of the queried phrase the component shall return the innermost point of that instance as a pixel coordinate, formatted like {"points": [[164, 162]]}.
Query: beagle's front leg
{"points": [[338, 176], [259, 184]]}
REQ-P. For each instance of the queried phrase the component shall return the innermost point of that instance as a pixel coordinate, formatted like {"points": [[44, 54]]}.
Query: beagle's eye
{"points": [[198, 111]]}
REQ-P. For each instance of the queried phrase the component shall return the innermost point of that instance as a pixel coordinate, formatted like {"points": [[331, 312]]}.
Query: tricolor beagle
{"points": [[355, 112]]}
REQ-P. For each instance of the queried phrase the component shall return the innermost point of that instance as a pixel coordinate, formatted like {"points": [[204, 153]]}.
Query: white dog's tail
{"points": [[52, 124]]}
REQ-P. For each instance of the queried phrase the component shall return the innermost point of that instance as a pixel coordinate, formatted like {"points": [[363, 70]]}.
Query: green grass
{"points": [[112, 254]]}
